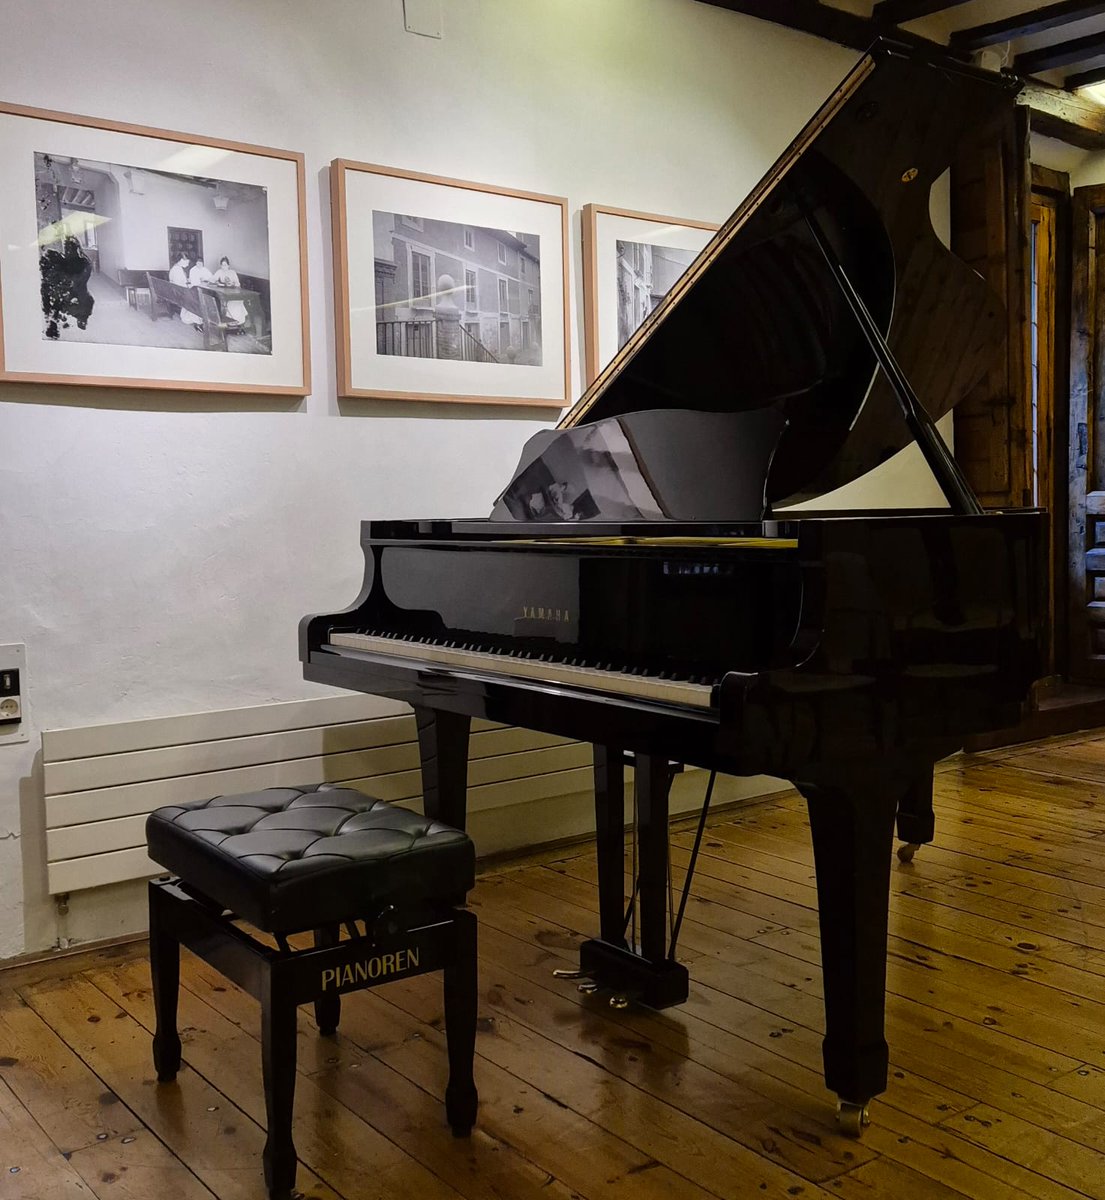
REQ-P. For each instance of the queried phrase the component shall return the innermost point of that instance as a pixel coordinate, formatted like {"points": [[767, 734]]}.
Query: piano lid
{"points": [[758, 320]]}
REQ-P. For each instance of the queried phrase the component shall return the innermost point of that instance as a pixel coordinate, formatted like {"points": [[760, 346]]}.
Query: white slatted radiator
{"points": [[101, 781]]}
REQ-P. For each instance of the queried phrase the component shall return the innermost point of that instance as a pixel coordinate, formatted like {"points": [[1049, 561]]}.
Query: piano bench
{"points": [[322, 859]]}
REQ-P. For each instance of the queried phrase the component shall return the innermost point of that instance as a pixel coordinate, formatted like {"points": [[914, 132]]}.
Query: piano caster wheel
{"points": [[907, 850], [566, 973], [588, 988], [852, 1119], [619, 1002]]}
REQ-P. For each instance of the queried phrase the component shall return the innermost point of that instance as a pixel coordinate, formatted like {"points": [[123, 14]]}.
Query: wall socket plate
{"points": [[14, 658], [423, 17]]}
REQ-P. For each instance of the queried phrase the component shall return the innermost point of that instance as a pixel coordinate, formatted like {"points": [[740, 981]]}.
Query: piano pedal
{"points": [[587, 988], [567, 973], [852, 1119], [907, 850]]}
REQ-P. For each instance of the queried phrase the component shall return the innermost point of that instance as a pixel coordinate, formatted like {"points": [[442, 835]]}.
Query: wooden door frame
{"points": [[1086, 522], [1050, 198]]}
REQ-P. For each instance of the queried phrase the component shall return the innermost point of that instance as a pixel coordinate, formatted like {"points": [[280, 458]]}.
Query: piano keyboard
{"points": [[641, 687]]}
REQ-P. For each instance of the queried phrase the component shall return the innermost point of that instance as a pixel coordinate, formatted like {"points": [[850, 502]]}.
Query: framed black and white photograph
{"points": [[631, 260], [448, 290], [140, 257]]}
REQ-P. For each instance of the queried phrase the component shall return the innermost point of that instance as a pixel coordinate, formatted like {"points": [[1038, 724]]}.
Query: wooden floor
{"points": [[996, 1024]]}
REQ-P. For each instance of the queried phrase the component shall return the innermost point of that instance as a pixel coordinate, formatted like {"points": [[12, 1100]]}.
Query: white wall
{"points": [[240, 232], [109, 238], [156, 552], [1085, 167]]}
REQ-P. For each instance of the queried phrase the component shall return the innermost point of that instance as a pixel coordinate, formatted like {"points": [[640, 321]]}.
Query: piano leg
{"points": [[916, 822], [610, 842], [443, 750], [650, 976], [853, 834], [652, 784]]}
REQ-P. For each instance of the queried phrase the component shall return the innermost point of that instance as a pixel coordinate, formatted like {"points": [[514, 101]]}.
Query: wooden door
{"points": [[1086, 477], [990, 192]]}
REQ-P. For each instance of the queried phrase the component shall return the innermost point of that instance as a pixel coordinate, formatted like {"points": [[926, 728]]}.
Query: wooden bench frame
{"points": [[398, 944], [162, 291]]}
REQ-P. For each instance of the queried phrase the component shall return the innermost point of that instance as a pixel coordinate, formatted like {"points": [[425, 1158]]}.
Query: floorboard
{"points": [[995, 1017]]}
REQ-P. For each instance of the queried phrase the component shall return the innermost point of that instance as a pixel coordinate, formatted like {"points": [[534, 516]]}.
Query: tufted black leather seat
{"points": [[289, 859]]}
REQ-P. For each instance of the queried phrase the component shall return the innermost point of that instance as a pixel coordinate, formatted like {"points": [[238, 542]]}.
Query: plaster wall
{"points": [[157, 550], [109, 234], [249, 248], [1084, 166], [240, 232]]}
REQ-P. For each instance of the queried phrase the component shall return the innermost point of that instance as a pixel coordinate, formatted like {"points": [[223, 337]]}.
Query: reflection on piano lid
{"points": [[758, 324], [656, 465]]}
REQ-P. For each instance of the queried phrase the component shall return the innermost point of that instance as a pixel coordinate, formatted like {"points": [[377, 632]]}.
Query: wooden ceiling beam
{"points": [[1061, 54], [896, 12], [1084, 79], [1059, 114], [832, 24], [1025, 24]]}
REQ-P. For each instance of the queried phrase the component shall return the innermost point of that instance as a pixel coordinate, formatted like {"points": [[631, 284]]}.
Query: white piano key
{"points": [[643, 687]]}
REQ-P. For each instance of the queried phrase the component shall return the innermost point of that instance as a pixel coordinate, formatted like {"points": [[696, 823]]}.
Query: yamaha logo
{"points": [[531, 612]]}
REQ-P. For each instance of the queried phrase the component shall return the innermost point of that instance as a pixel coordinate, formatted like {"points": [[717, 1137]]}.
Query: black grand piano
{"points": [[642, 583]]}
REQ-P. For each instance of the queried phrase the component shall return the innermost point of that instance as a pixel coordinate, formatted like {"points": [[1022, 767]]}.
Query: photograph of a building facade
{"points": [[646, 273], [131, 256], [446, 290]]}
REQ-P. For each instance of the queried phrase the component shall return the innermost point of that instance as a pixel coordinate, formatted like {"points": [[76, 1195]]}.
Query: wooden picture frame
{"points": [[89, 209], [448, 290], [612, 282]]}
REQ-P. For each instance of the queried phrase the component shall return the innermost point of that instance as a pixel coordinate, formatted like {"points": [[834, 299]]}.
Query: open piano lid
{"points": [[753, 371]]}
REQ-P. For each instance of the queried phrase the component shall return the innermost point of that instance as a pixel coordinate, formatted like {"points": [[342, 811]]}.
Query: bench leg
{"points": [[165, 977], [461, 1002], [278, 1031], [327, 1008]]}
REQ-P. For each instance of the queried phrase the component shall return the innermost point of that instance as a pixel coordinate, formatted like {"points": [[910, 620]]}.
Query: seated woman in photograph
{"points": [[199, 274], [226, 276], [178, 274]]}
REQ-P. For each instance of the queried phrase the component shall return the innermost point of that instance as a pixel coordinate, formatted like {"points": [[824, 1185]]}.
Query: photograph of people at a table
{"points": [[133, 256]]}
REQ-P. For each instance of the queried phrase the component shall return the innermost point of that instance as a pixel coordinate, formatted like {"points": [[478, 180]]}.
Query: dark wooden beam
{"points": [[1051, 182], [1063, 115], [895, 12], [1084, 79], [807, 16], [1061, 54], [1025, 24]]}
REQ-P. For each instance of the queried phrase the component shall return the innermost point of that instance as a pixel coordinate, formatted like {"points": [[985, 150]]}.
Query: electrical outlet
{"points": [[9, 696], [14, 725]]}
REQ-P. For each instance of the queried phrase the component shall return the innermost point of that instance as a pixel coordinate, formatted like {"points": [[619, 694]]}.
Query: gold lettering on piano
{"points": [[378, 967], [537, 612]]}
